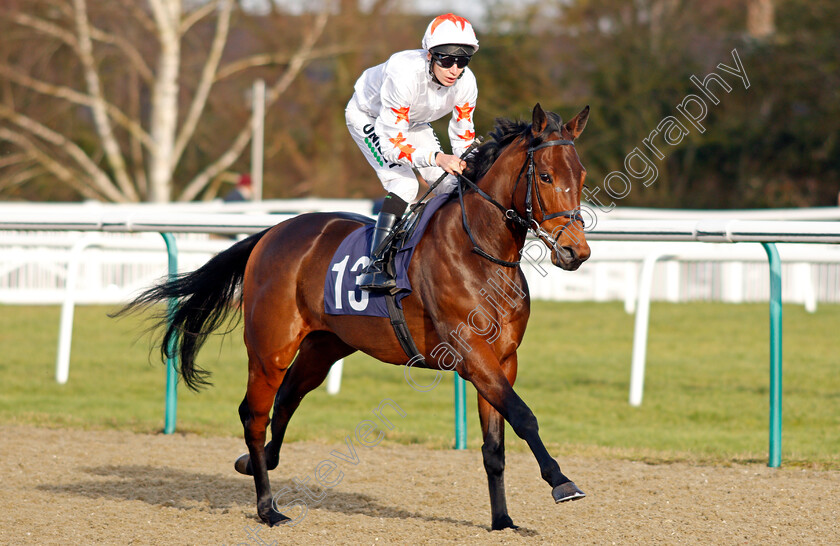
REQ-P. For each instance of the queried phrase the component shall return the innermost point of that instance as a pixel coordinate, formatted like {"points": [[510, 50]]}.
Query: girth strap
{"points": [[401, 328]]}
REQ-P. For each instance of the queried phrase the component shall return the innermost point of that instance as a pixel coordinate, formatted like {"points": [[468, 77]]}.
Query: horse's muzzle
{"points": [[567, 257]]}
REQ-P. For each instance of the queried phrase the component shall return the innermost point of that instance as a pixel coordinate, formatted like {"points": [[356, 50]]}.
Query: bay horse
{"points": [[528, 177]]}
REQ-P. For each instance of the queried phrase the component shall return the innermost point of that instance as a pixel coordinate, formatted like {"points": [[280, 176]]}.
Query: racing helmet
{"points": [[450, 35]]}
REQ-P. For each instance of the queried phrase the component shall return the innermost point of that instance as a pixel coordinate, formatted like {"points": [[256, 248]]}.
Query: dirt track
{"points": [[108, 487]]}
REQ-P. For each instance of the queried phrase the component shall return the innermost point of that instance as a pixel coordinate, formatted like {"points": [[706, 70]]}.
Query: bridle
{"points": [[528, 222]]}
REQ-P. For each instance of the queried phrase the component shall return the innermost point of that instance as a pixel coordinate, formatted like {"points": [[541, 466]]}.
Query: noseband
{"points": [[528, 221]]}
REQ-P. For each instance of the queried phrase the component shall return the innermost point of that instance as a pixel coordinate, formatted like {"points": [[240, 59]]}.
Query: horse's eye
{"points": [[545, 177]]}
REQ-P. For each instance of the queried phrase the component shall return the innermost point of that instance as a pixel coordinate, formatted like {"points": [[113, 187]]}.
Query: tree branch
{"points": [[100, 116], [266, 59], [13, 159], [56, 168], [22, 176], [197, 15], [135, 144], [41, 25], [139, 15], [227, 159], [205, 82], [71, 95], [128, 50], [69, 38], [98, 177], [301, 57]]}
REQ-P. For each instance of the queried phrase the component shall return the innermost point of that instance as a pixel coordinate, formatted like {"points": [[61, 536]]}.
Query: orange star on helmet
{"points": [[405, 149], [464, 111], [456, 20], [468, 135], [402, 113]]}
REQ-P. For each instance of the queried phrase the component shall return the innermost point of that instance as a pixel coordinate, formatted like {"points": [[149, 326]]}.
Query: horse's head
{"points": [[553, 176], [535, 166]]}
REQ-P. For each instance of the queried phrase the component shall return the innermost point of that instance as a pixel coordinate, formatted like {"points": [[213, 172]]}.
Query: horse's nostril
{"points": [[572, 253]]}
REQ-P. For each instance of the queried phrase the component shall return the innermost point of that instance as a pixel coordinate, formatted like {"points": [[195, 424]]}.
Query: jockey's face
{"points": [[446, 76]]}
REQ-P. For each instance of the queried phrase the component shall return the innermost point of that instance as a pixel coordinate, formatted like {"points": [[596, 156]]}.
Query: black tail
{"points": [[203, 301]]}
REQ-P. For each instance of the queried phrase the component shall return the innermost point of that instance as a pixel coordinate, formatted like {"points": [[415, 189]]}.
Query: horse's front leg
{"points": [[493, 452], [483, 370]]}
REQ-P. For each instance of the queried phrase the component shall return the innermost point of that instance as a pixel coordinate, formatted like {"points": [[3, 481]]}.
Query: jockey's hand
{"points": [[450, 163]]}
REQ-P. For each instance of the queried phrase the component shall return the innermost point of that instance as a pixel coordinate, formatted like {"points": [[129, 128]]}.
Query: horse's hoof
{"points": [[503, 523], [243, 465], [567, 492], [273, 517], [276, 518]]}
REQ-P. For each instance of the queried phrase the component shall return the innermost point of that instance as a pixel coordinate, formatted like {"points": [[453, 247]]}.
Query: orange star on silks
{"points": [[402, 113], [464, 111], [405, 149], [440, 19], [468, 135]]}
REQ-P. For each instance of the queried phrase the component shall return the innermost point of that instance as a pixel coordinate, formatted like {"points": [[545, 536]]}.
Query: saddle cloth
{"points": [[342, 296]]}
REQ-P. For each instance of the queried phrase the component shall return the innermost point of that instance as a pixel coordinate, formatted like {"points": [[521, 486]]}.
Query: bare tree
{"points": [[95, 93]]}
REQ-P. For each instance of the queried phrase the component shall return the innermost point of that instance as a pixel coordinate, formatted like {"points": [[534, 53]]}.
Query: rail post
{"points": [[775, 457], [460, 412], [171, 349]]}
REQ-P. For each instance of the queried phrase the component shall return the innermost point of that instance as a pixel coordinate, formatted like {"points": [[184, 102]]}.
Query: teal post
{"points": [[460, 412], [775, 459], [171, 362]]}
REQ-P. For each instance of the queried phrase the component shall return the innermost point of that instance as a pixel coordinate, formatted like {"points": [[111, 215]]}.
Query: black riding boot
{"points": [[375, 277]]}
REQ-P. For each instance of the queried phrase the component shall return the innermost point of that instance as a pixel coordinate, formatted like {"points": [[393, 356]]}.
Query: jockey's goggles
{"points": [[446, 61]]}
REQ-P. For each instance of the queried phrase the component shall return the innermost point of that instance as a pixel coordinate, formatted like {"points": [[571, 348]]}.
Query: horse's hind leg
{"points": [[264, 378], [318, 352]]}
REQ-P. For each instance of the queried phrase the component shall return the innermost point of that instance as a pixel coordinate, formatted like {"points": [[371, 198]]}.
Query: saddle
{"points": [[342, 295]]}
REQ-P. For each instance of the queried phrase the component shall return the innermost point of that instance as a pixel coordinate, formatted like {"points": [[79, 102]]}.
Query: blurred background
{"points": [[127, 101]]}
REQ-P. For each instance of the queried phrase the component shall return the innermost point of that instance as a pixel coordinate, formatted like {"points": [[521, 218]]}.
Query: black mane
{"points": [[505, 132]]}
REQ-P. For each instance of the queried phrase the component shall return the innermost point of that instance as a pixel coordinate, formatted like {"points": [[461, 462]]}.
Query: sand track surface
{"points": [[112, 487]]}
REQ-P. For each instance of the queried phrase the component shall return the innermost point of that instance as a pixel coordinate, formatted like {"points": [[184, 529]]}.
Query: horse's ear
{"points": [[539, 121], [577, 123]]}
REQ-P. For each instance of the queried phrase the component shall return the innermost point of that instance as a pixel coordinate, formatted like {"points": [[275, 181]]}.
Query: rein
{"points": [[528, 222]]}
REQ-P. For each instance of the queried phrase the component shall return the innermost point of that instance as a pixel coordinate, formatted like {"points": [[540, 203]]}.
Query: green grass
{"points": [[706, 386]]}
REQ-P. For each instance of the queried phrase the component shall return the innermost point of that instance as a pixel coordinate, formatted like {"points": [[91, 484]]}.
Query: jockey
{"points": [[389, 115]]}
